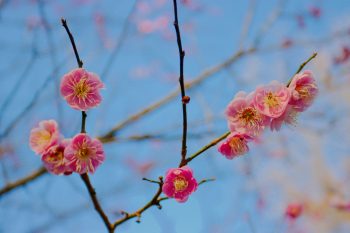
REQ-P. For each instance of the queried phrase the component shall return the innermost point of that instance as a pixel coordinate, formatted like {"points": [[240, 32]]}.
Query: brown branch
{"points": [[302, 66], [182, 87], [155, 201], [83, 121], [71, 38], [95, 201], [208, 146], [21, 182]]}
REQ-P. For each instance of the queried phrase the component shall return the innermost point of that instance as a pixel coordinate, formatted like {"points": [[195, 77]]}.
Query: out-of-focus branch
{"points": [[21, 182], [120, 41], [109, 136]]}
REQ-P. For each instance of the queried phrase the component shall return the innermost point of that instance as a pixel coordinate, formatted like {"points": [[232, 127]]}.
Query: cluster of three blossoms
{"points": [[83, 154], [269, 106]]}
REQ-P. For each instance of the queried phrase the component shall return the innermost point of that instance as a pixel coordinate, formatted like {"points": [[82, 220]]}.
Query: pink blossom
{"points": [[315, 11], [43, 136], [179, 183], [235, 144], [340, 203], [344, 56], [54, 160], [271, 100], [243, 117], [303, 90], [81, 89], [288, 117], [294, 210], [84, 154]]}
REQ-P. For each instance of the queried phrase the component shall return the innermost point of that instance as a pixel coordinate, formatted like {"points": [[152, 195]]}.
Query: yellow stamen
{"points": [[238, 145], [271, 100], [249, 117], [81, 89], [180, 184]]}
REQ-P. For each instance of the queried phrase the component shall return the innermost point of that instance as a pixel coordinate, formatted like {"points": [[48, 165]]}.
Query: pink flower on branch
{"points": [[54, 160], [179, 183], [303, 90], [243, 117], [235, 144], [84, 154], [81, 89], [272, 100], [44, 136]]}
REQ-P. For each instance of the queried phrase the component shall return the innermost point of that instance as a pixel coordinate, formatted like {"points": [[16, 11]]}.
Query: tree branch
{"points": [[182, 87]]}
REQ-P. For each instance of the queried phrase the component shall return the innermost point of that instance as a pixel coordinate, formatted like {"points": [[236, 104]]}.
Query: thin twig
{"points": [[79, 61], [206, 147], [120, 41], [302, 66], [182, 87], [153, 202]]}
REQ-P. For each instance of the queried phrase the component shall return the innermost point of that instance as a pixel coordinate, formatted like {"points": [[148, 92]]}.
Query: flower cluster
{"points": [[80, 154], [269, 106]]}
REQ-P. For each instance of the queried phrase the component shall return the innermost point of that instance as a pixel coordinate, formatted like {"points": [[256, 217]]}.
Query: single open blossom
{"points": [[81, 89], [289, 117], [84, 154], [43, 136], [243, 117], [179, 183], [303, 90], [54, 160], [294, 210], [235, 144], [271, 100]]}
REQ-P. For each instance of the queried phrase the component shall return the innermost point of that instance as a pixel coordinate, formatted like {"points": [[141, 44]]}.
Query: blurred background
{"points": [[230, 46]]}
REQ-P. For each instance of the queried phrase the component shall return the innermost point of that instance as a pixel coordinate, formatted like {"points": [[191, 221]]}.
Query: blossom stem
{"points": [[65, 25], [301, 67], [83, 120], [206, 147]]}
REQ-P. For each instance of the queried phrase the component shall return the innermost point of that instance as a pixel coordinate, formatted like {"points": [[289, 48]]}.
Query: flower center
{"points": [[45, 137], [180, 184], [56, 157], [271, 100], [238, 145], [81, 89], [249, 117], [83, 153], [303, 92]]}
